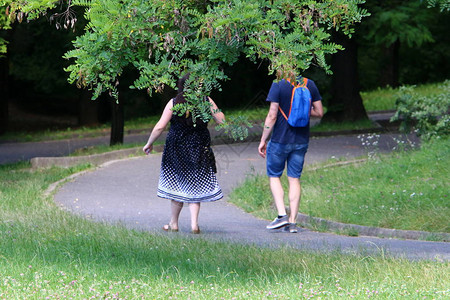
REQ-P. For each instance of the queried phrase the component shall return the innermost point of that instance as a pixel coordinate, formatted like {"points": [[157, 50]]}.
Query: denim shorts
{"points": [[279, 154]]}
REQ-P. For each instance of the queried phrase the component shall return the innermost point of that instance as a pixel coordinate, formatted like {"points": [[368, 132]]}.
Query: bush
{"points": [[427, 115]]}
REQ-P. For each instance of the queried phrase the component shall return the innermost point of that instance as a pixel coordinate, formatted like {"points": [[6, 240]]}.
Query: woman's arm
{"points": [[218, 116], [159, 127]]}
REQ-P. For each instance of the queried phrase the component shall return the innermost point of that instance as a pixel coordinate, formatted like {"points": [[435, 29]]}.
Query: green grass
{"points": [[48, 253], [405, 190], [330, 127], [47, 135], [384, 98], [254, 115], [104, 148]]}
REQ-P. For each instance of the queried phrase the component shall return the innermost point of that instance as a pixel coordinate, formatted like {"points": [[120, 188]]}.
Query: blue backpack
{"points": [[300, 108]]}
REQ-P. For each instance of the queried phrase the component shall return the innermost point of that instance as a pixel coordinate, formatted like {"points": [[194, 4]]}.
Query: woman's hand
{"points": [[218, 116], [147, 148], [159, 127]]}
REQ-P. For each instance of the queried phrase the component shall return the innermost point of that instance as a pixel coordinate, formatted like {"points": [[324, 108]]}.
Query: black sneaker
{"points": [[278, 222], [291, 227]]}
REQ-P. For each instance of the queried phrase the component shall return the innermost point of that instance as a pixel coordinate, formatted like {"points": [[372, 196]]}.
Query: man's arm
{"points": [[268, 127], [317, 109]]}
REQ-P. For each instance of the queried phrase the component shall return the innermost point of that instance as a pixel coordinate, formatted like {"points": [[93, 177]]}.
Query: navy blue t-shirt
{"points": [[284, 133]]}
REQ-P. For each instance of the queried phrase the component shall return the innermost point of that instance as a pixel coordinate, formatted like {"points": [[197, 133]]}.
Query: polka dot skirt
{"points": [[188, 166]]}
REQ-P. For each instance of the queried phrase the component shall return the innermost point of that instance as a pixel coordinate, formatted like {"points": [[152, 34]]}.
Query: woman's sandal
{"points": [[195, 231], [169, 228]]}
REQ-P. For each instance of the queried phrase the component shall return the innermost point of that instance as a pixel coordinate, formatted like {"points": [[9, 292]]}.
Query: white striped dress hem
{"points": [[214, 196]]}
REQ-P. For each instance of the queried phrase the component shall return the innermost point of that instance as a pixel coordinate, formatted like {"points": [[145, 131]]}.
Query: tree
{"points": [[4, 92], [4, 26], [165, 39], [444, 5], [345, 103], [391, 24], [33, 61]]}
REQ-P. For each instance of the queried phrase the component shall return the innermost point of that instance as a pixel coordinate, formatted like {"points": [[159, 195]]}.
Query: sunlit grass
{"points": [[103, 148], [384, 98], [405, 190], [47, 253], [342, 126]]}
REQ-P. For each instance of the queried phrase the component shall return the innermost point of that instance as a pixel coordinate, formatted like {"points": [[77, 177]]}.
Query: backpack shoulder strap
{"points": [[294, 84], [303, 82], [282, 112]]}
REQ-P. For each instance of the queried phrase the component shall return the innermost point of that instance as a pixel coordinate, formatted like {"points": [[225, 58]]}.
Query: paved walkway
{"points": [[125, 192]]}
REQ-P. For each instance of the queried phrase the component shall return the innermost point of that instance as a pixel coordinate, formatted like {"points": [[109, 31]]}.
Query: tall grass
{"points": [[48, 253], [406, 190], [403, 191]]}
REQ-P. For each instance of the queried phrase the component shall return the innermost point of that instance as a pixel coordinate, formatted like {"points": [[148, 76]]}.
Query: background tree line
{"points": [[401, 42]]}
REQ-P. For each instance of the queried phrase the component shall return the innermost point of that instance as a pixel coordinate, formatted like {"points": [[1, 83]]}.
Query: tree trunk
{"points": [[4, 92], [390, 69], [346, 102], [117, 122], [87, 109]]}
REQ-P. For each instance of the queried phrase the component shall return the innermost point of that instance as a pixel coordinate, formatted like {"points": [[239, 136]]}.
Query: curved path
{"points": [[125, 192]]}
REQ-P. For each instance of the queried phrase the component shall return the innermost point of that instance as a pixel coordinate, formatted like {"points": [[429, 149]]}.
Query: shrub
{"points": [[427, 115]]}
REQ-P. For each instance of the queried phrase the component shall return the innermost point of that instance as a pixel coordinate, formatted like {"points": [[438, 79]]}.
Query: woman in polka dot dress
{"points": [[188, 166]]}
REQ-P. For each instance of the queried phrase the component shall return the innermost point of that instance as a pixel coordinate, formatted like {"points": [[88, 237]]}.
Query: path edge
{"points": [[319, 224], [314, 223]]}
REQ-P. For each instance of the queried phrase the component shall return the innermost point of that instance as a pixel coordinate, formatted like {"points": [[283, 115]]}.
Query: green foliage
{"points": [[163, 40], [393, 21], [3, 44], [21, 9], [236, 127], [428, 115], [4, 25], [444, 5]]}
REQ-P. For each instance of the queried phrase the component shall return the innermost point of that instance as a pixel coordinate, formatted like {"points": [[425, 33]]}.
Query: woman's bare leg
{"points": [[195, 210], [175, 209]]}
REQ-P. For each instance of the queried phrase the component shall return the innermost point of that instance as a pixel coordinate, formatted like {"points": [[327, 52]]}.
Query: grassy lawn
{"points": [[384, 98], [365, 124], [48, 253], [104, 148], [404, 190]]}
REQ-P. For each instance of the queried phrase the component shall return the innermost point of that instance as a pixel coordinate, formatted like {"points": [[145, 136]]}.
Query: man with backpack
{"points": [[291, 105]]}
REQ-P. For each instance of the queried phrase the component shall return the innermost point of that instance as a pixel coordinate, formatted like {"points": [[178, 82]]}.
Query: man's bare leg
{"points": [[294, 198], [278, 194]]}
